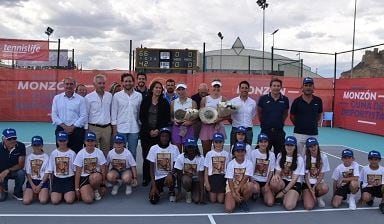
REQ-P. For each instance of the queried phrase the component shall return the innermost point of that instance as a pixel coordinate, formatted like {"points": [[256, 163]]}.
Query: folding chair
{"points": [[327, 116]]}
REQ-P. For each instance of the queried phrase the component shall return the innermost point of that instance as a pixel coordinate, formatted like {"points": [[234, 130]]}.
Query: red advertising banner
{"points": [[34, 50], [26, 95], [359, 105]]}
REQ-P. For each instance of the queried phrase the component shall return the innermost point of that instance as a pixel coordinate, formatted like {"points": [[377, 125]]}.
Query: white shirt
{"points": [[90, 162], [216, 162], [314, 172], [61, 163], [262, 166], [237, 171], [163, 159], [214, 103], [190, 167], [125, 111], [98, 108], [37, 165], [342, 171], [245, 114], [372, 178], [286, 172], [121, 161], [70, 111]]}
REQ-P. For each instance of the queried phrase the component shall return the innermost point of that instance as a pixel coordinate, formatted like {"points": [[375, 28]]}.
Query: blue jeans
{"points": [[132, 140], [19, 177]]}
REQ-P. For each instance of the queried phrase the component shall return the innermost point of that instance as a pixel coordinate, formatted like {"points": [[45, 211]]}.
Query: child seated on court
{"points": [[90, 174], [63, 171], [239, 188], [122, 167], [346, 180], [189, 167], [372, 179], [36, 167], [215, 165], [162, 157]]}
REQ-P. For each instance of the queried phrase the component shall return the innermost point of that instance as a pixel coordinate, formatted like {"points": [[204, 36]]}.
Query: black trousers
{"points": [[75, 139], [276, 139], [146, 144]]}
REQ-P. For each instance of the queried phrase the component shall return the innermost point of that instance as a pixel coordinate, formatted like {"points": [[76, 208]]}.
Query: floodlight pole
{"points": [[353, 38], [263, 4]]}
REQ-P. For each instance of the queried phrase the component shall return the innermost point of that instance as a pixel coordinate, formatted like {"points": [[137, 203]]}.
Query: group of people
{"points": [[97, 137]]}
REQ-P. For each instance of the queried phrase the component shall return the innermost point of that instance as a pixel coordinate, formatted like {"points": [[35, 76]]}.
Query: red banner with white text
{"points": [[34, 50]]}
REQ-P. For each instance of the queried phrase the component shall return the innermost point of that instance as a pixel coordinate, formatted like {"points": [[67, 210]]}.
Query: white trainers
{"points": [[172, 198], [320, 202], [115, 189], [128, 190], [352, 202], [188, 197], [97, 195]]}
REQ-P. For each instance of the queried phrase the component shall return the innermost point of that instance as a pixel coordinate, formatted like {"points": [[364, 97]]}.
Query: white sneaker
{"points": [[188, 197], [320, 202], [128, 190], [115, 189], [352, 202], [172, 198], [108, 185], [97, 195]]}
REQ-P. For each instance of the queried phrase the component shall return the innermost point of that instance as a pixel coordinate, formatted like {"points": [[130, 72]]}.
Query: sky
{"points": [[100, 31]]}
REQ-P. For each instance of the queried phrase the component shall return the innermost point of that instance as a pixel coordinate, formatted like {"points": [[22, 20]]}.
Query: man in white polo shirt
{"points": [[99, 113], [245, 113], [125, 112]]}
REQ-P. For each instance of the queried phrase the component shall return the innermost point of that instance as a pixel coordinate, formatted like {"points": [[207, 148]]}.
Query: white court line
{"points": [[211, 219], [186, 215]]}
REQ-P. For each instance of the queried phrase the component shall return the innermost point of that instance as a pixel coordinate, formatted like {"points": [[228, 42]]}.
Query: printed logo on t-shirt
{"points": [[314, 171], [261, 168], [239, 174], [163, 162], [190, 169], [90, 165], [347, 174], [119, 164], [62, 166], [218, 165], [374, 179], [35, 167], [287, 172]]}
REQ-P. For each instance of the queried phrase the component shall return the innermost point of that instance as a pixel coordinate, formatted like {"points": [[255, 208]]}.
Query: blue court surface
{"points": [[137, 209]]}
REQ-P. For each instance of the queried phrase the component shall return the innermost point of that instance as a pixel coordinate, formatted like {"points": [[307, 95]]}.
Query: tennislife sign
{"points": [[13, 49]]}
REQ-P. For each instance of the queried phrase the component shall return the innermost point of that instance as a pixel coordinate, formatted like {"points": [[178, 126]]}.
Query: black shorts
{"points": [[84, 181], [217, 182], [343, 191], [63, 185], [37, 182], [120, 172], [297, 187], [261, 184], [160, 183], [304, 186], [376, 191]]}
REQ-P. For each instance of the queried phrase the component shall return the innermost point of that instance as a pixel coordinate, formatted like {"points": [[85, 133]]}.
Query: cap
{"points": [[290, 140], [9, 133], [62, 136], [119, 139], [190, 142], [346, 153], [239, 146], [241, 129], [37, 140], [165, 130], [374, 154], [216, 82], [311, 141], [181, 85], [218, 137], [262, 137], [308, 80], [90, 136]]}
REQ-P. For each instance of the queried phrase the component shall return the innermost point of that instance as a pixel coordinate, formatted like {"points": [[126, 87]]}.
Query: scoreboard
{"points": [[167, 59]]}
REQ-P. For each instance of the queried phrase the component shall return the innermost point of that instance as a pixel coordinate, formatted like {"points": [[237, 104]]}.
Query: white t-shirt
{"points": [[342, 171], [90, 162], [372, 178], [163, 159], [314, 172], [61, 163], [262, 166], [286, 172], [121, 161], [216, 162], [237, 171], [190, 167], [37, 165]]}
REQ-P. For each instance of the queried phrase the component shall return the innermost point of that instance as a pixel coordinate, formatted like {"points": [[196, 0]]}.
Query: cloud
{"points": [[309, 34], [12, 3]]}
